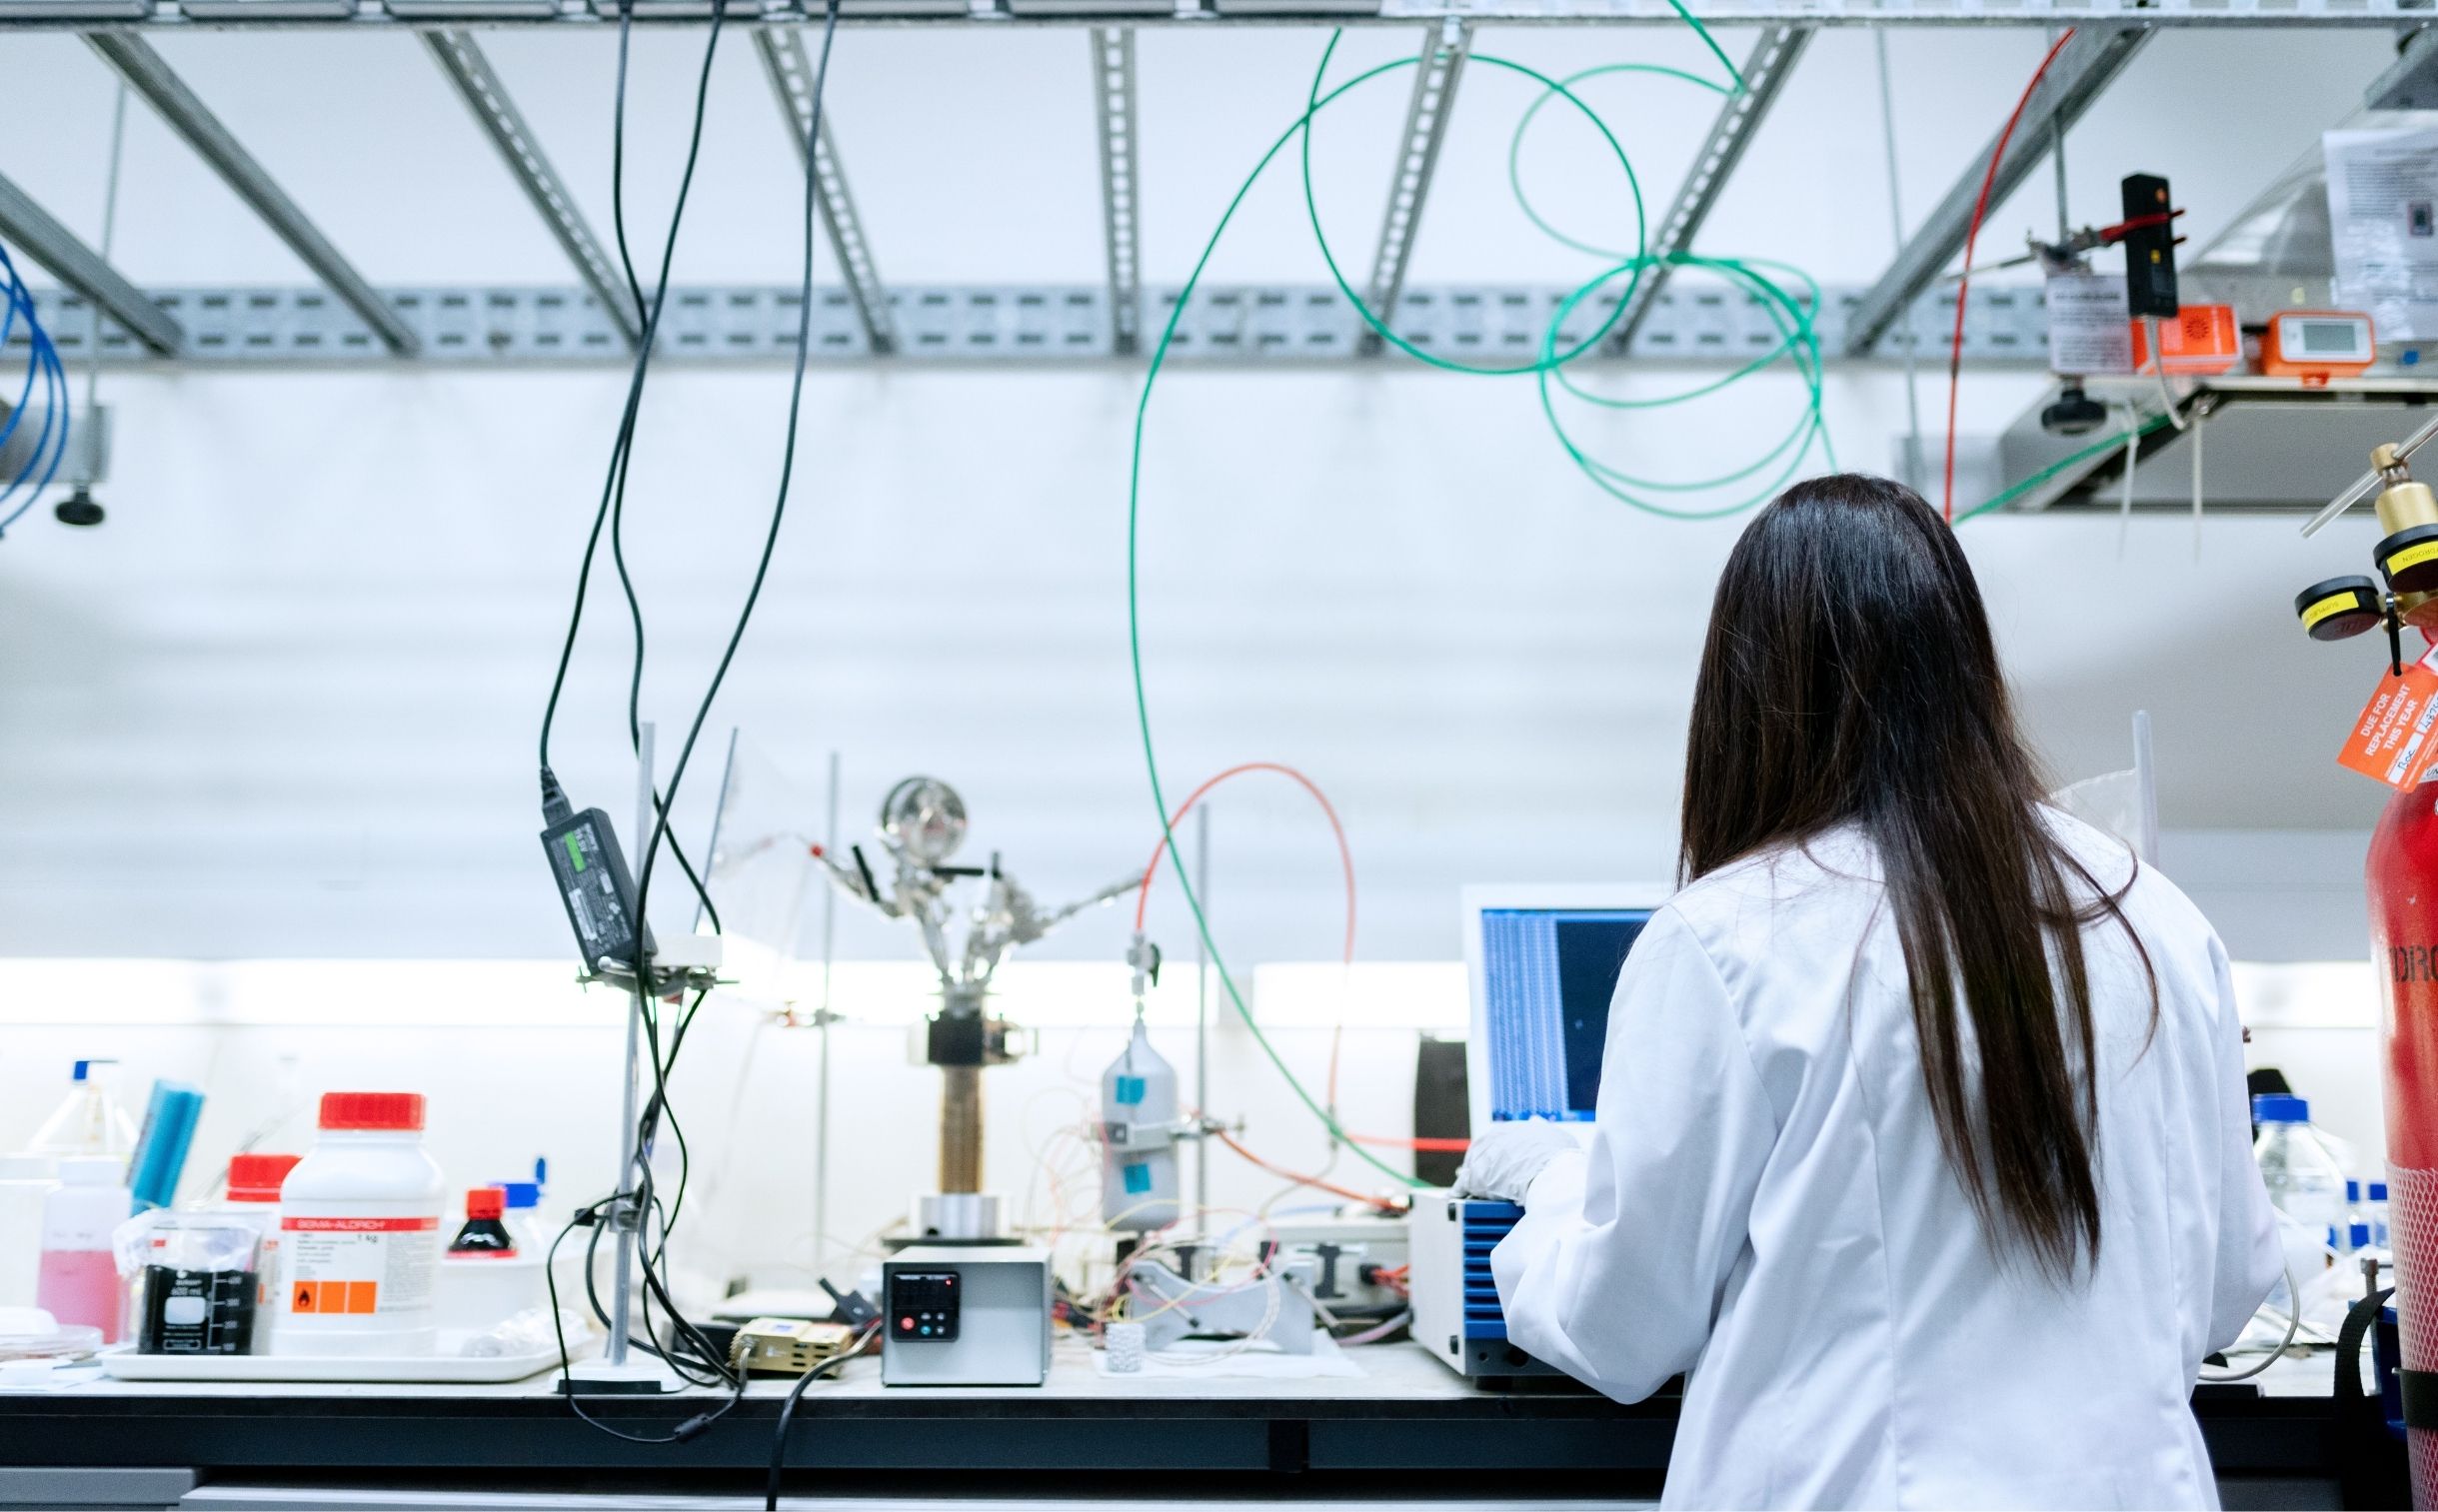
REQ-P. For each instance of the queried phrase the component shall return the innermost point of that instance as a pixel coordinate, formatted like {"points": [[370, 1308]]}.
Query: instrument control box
{"points": [[1456, 1315], [965, 1316]]}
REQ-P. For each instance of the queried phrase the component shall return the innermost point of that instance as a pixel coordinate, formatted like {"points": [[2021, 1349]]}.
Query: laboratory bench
{"points": [[1409, 1429]]}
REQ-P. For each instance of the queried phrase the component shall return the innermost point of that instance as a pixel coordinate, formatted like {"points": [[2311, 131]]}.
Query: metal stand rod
{"points": [[623, 1210], [820, 1113], [1201, 1015]]}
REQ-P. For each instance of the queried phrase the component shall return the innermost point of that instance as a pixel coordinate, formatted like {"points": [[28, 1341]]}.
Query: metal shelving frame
{"points": [[861, 318]]}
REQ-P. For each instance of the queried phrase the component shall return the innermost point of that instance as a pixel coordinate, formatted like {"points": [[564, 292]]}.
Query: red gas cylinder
{"points": [[2403, 879]]}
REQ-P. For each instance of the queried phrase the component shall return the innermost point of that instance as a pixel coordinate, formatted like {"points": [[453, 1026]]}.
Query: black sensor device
{"points": [[594, 887], [2149, 249]]}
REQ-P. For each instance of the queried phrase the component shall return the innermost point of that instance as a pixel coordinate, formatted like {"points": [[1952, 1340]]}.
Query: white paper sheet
{"points": [[2384, 227], [2088, 330]]}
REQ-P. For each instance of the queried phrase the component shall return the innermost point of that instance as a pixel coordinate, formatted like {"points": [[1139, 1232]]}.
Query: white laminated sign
{"points": [[2384, 227]]}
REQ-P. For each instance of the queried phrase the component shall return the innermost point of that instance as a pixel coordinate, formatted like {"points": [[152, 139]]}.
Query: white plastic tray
{"points": [[429, 1370]]}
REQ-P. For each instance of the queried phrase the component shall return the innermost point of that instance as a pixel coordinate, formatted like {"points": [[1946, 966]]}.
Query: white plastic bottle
{"points": [[1139, 1186], [90, 1120], [360, 1233], [2303, 1179], [25, 1181], [78, 1280]]}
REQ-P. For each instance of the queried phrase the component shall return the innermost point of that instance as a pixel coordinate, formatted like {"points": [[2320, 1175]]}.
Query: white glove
{"points": [[1502, 1165]]}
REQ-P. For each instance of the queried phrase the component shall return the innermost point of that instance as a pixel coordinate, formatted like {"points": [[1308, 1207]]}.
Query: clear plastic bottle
{"points": [[90, 1120], [25, 1181], [2303, 1179], [1139, 1185], [79, 1278]]}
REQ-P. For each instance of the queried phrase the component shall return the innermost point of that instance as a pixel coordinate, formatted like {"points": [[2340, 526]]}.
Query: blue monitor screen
{"points": [[1546, 977]]}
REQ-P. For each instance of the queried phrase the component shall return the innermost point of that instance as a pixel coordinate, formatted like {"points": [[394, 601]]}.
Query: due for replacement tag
{"points": [[2392, 741]]}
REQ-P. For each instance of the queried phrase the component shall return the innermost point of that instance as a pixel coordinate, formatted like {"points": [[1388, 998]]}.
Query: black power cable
{"points": [[591, 1217], [612, 509], [637, 1183], [687, 1352], [795, 1394], [762, 568]]}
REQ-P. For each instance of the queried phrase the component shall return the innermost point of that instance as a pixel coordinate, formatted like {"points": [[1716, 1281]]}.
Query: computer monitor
{"points": [[1542, 962]]}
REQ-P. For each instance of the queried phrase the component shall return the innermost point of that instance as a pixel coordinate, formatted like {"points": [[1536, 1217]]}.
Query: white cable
{"points": [[2159, 370], [2133, 444], [2293, 1326], [2196, 483]]}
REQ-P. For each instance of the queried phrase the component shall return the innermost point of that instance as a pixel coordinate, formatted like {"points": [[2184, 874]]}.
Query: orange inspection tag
{"points": [[2392, 741]]}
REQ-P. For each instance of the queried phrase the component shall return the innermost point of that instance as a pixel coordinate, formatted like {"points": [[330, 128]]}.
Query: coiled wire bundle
{"points": [[33, 425]]}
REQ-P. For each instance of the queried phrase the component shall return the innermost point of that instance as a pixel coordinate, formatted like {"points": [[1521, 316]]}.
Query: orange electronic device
{"points": [[2202, 340], [2317, 345]]}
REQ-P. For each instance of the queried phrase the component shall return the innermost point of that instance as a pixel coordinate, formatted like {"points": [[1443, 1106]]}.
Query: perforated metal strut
{"points": [[1765, 73], [1113, 70], [791, 71], [1426, 113], [461, 58]]}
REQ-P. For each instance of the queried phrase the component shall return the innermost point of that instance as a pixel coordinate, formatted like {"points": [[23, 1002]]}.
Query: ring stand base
{"points": [[601, 1378]]}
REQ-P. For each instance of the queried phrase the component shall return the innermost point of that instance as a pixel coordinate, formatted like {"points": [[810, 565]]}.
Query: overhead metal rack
{"points": [[2089, 62], [356, 15], [859, 317], [1242, 324]]}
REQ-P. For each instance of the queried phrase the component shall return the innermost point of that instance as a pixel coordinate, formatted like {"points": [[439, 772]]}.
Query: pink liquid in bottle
{"points": [[80, 1286]]}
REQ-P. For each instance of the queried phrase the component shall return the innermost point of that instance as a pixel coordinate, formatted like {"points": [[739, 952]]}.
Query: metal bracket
{"points": [[1765, 73], [2411, 81], [1112, 72], [1434, 101], [150, 76], [31, 229], [791, 71], [461, 59], [2084, 69]]}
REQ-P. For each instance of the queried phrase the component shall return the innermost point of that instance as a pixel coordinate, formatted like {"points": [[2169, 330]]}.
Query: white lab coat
{"points": [[1766, 1205]]}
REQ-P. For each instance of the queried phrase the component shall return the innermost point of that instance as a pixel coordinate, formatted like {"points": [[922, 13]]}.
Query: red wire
{"points": [[1345, 859], [1301, 1179], [1980, 208]]}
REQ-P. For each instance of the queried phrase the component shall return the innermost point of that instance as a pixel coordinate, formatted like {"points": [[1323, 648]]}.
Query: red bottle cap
{"points": [[486, 1202], [401, 1111], [256, 1178]]}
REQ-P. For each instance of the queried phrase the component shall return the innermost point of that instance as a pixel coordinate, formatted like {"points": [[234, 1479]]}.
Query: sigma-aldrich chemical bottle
{"points": [[360, 1236]]}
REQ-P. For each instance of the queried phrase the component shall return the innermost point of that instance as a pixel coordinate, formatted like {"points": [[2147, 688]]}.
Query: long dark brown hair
{"points": [[1850, 677]]}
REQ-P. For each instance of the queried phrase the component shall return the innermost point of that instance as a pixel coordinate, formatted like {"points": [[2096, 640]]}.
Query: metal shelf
{"points": [[359, 14], [860, 316], [2267, 445], [1251, 324]]}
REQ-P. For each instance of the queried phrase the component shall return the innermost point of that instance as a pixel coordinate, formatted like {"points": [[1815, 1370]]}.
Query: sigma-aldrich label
{"points": [[2414, 962], [358, 1267]]}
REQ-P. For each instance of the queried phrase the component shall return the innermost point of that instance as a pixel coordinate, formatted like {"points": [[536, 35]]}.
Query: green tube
{"points": [[1793, 318]]}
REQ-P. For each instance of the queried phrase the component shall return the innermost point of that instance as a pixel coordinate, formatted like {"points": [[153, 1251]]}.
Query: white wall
{"points": [[517, 1062]]}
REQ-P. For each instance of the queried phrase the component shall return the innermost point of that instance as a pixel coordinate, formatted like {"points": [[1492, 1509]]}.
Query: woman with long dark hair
{"points": [[1921, 1141]]}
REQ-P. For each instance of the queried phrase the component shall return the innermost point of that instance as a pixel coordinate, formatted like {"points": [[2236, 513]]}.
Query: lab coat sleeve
{"points": [[1620, 1262], [2250, 1258]]}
